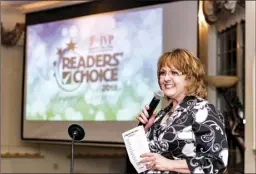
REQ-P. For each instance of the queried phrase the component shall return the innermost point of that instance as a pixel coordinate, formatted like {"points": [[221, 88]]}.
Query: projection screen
{"points": [[99, 70]]}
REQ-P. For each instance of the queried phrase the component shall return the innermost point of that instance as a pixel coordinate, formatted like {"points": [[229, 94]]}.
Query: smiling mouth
{"points": [[167, 86]]}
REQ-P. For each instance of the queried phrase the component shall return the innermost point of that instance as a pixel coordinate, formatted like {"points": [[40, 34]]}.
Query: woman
{"points": [[188, 136]]}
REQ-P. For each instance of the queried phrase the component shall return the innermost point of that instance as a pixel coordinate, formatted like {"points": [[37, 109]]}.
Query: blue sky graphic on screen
{"points": [[98, 67]]}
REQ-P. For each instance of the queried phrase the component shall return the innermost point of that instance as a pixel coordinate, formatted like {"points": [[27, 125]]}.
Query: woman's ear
{"points": [[188, 80]]}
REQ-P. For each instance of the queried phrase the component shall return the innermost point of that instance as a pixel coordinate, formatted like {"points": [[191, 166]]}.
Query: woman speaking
{"points": [[188, 136]]}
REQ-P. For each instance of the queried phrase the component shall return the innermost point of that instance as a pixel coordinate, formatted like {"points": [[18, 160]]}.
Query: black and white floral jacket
{"points": [[194, 132]]}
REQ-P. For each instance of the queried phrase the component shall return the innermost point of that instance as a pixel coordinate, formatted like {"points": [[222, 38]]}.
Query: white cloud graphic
{"points": [[100, 116], [71, 114]]}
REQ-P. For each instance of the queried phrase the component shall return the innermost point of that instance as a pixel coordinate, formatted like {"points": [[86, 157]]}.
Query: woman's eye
{"points": [[162, 73], [174, 73]]}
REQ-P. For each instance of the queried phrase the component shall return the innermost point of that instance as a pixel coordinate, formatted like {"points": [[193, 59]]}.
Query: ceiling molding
{"points": [[14, 3]]}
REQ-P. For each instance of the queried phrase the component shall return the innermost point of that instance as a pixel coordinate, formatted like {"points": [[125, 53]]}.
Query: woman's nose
{"points": [[167, 77]]}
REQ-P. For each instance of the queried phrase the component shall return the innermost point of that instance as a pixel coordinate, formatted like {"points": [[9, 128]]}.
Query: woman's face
{"points": [[172, 82]]}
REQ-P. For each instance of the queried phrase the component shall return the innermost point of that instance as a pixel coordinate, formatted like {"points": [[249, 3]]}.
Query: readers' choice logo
{"points": [[101, 64]]}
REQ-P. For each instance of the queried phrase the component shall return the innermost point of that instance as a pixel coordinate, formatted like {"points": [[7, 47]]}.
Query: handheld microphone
{"points": [[154, 102]]}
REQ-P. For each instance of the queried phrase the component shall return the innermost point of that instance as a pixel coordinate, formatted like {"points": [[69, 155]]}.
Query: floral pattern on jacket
{"points": [[195, 132]]}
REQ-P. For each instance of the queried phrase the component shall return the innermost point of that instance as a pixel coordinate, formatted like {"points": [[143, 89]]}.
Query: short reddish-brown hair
{"points": [[185, 61]]}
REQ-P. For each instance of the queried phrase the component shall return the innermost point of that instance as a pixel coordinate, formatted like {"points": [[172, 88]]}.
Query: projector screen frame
{"points": [[72, 12]]}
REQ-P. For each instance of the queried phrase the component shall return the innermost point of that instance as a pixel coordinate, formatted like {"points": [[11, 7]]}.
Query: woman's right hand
{"points": [[143, 118]]}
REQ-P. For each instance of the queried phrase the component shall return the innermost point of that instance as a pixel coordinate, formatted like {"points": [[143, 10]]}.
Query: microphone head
{"points": [[76, 131], [159, 94]]}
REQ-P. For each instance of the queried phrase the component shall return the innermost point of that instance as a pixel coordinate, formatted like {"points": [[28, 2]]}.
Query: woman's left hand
{"points": [[154, 161]]}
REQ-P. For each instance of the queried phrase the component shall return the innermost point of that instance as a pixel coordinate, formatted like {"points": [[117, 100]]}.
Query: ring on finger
{"points": [[148, 165], [151, 165]]}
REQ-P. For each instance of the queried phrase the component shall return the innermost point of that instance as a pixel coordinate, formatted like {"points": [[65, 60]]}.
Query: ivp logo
{"points": [[101, 42]]}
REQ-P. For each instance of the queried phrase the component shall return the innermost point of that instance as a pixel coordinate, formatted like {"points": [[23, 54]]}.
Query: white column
{"points": [[250, 104]]}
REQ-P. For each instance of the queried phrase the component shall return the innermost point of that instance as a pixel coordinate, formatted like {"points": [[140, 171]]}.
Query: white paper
{"points": [[136, 144]]}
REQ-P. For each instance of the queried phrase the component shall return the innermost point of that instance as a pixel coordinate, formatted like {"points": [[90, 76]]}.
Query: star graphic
{"points": [[59, 51], [71, 45]]}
